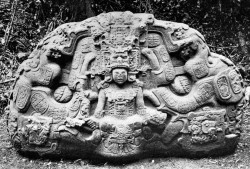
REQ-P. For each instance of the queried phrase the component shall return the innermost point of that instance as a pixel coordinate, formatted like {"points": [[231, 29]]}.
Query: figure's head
{"points": [[84, 110], [120, 75]]}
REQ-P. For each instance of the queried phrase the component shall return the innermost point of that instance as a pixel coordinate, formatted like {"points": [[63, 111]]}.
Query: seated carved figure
{"points": [[121, 100], [120, 85]]}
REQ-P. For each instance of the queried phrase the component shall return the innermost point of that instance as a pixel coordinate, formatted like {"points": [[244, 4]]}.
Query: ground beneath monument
{"points": [[10, 159]]}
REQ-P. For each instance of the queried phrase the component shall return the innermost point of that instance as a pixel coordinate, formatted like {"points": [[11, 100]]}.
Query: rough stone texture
{"points": [[122, 86]]}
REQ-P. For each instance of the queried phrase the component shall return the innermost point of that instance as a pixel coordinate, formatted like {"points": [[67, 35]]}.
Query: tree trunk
{"points": [[243, 46], [80, 9], [89, 12]]}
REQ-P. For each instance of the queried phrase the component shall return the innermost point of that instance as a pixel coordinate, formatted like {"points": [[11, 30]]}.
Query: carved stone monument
{"points": [[123, 85]]}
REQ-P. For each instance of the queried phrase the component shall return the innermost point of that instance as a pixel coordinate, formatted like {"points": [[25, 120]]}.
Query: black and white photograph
{"points": [[133, 84]]}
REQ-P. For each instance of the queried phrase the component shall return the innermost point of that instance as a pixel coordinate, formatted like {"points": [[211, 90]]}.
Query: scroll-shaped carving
{"points": [[121, 84]]}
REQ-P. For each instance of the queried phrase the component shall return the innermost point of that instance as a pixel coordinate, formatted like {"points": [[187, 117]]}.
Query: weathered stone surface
{"points": [[124, 85]]}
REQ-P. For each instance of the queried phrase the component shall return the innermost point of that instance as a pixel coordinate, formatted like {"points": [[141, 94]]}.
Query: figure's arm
{"points": [[151, 96], [154, 62], [88, 58], [91, 95], [100, 105], [153, 117], [140, 102]]}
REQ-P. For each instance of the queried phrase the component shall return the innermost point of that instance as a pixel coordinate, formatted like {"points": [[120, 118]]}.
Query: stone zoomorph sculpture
{"points": [[120, 85]]}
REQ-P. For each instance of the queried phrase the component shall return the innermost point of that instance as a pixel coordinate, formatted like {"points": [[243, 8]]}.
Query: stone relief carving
{"points": [[120, 85]]}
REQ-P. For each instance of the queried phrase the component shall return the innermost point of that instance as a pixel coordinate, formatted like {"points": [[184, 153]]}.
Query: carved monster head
{"points": [[119, 58]]}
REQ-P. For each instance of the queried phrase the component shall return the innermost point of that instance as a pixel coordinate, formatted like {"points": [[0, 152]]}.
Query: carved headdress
{"points": [[119, 47]]}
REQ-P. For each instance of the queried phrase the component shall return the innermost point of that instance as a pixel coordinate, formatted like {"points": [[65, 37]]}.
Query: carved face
{"points": [[120, 58], [84, 110], [120, 75]]}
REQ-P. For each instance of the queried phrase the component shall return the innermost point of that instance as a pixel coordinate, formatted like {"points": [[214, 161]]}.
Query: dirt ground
{"points": [[10, 159]]}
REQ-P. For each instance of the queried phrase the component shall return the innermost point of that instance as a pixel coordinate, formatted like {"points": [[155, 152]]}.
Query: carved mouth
{"points": [[120, 80]]}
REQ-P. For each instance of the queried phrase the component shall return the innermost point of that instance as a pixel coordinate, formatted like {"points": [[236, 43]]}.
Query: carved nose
{"points": [[120, 76], [119, 59]]}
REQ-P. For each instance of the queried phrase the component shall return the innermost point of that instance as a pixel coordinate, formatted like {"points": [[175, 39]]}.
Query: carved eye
{"points": [[136, 40]]}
